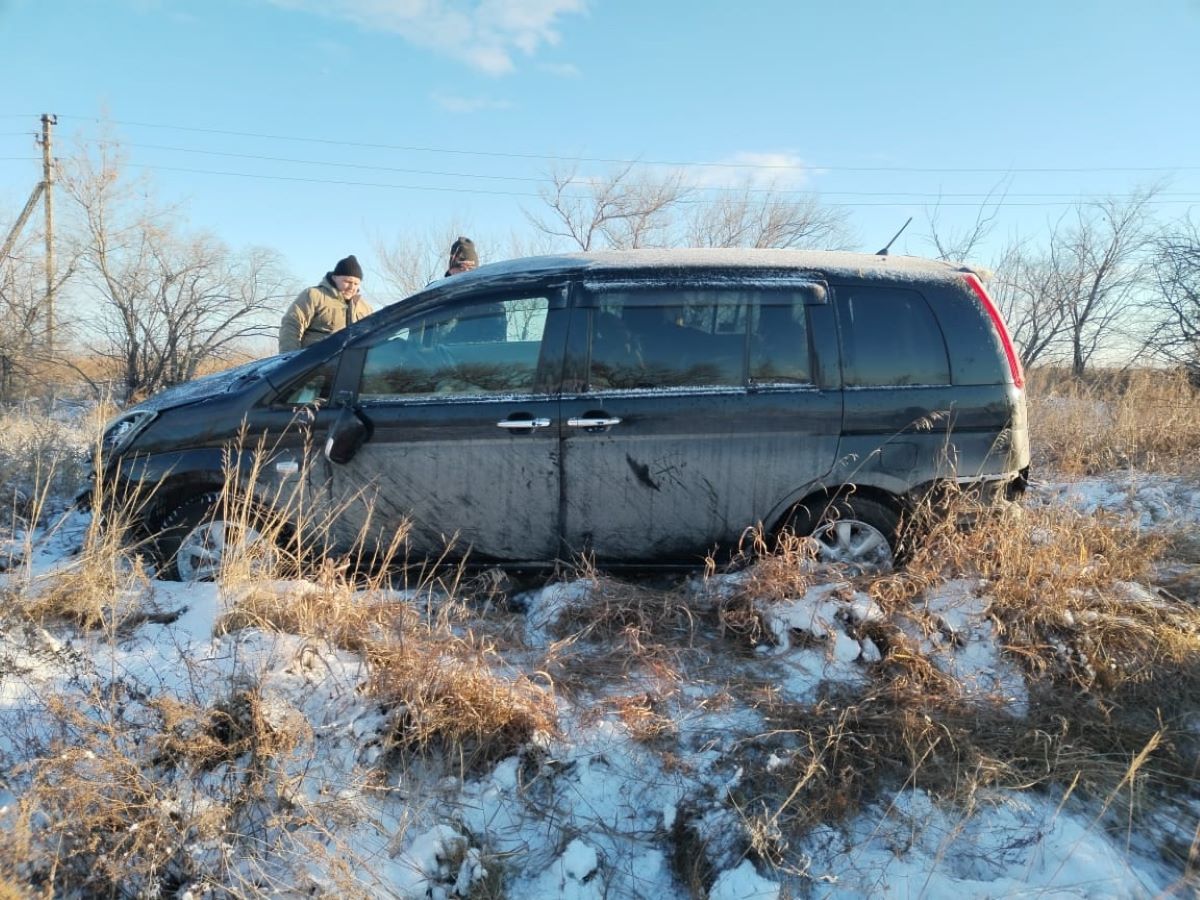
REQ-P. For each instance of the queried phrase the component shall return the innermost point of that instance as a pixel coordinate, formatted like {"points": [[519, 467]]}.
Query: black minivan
{"points": [[642, 407]]}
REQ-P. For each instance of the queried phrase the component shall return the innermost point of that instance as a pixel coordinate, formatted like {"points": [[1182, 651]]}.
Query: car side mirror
{"points": [[349, 432]]}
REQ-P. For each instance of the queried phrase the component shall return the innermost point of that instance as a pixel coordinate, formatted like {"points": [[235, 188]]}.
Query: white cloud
{"points": [[562, 70], [485, 34], [458, 104], [761, 170]]}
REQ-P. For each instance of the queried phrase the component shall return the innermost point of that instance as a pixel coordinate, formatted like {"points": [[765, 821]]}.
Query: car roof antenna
{"points": [[884, 251]]}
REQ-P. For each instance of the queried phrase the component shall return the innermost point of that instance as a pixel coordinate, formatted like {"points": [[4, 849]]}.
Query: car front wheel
{"points": [[196, 539]]}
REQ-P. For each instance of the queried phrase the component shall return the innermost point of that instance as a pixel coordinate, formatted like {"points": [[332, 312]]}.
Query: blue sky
{"points": [[879, 106]]}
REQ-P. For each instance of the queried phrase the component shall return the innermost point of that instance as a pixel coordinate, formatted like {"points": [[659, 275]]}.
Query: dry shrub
{"points": [[204, 738], [770, 571], [106, 585], [98, 820], [619, 628], [1062, 588], [450, 697], [1148, 419], [331, 612], [643, 715], [42, 461], [1113, 675], [117, 806]]}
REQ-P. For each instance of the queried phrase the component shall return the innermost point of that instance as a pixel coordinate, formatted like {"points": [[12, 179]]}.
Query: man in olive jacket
{"points": [[328, 307]]}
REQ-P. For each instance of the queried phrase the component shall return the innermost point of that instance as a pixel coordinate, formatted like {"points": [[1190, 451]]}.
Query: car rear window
{"points": [[890, 337]]}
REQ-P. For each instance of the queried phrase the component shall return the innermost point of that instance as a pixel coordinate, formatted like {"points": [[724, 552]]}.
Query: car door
{"points": [[462, 407], [695, 409]]}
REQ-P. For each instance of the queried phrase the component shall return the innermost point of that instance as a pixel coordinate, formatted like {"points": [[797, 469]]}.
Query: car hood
{"points": [[218, 383]]}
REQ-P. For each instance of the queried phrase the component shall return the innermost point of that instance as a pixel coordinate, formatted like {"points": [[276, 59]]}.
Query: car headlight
{"points": [[120, 432]]}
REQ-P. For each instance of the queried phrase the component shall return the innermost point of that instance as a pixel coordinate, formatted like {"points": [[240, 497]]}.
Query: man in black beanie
{"points": [[325, 308], [463, 257]]}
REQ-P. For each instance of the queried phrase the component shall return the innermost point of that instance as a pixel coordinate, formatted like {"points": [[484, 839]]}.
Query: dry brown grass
{"points": [[115, 807], [447, 685], [331, 611], [1146, 419], [204, 738], [1112, 675], [645, 717], [452, 697], [96, 819], [104, 586], [771, 570], [10, 888], [618, 629], [1061, 589], [42, 463]]}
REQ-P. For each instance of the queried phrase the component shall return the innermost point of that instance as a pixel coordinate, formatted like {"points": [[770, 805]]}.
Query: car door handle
{"points": [[598, 422], [524, 423]]}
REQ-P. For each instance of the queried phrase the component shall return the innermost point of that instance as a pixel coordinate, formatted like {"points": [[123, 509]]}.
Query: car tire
{"points": [[192, 538], [856, 532]]}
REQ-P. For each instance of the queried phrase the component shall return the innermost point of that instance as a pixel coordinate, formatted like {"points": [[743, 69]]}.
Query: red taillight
{"points": [[1014, 363]]}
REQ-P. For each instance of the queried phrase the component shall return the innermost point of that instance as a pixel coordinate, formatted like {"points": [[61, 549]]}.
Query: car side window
{"points": [[657, 339], [312, 387], [701, 337], [890, 337], [779, 346], [483, 348]]}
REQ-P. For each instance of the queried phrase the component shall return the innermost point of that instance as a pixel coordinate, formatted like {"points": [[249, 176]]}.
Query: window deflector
{"points": [[815, 291]]}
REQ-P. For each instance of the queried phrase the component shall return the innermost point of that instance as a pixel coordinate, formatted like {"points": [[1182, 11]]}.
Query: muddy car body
{"points": [[641, 407]]}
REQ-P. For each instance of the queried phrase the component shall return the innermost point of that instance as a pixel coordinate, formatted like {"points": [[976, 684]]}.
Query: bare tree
{"points": [[956, 246], [629, 209], [1030, 297], [24, 352], [20, 317], [164, 302], [1173, 307], [1099, 264], [620, 211], [410, 260], [765, 217]]}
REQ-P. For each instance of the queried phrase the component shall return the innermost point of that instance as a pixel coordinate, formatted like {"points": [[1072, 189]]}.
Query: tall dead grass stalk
{"points": [[1146, 419]]}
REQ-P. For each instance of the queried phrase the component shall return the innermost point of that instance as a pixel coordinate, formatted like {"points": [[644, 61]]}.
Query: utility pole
{"points": [[48, 121]]}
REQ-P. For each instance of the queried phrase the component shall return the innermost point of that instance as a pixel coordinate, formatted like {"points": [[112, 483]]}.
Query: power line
{"points": [[645, 162], [935, 195], [453, 190], [296, 178]]}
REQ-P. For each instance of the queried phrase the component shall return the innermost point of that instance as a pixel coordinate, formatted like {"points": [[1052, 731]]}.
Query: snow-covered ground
{"points": [[594, 808]]}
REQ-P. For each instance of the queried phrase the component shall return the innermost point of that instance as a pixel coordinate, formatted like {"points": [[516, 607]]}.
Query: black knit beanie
{"points": [[463, 250], [348, 266]]}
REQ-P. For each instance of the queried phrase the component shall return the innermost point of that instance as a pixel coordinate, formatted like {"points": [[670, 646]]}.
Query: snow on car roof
{"points": [[834, 262]]}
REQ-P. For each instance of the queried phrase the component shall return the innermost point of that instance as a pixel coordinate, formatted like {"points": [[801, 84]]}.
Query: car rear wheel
{"points": [[196, 539], [856, 532]]}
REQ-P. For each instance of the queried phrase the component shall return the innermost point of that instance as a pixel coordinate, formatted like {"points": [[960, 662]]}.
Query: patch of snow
{"points": [[743, 883]]}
